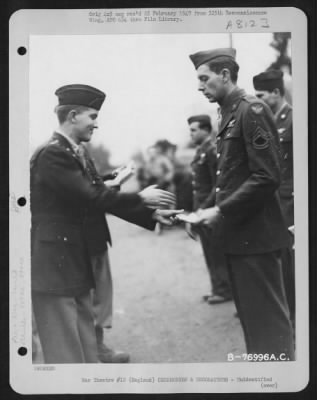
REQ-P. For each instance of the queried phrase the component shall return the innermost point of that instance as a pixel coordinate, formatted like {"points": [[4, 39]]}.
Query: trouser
{"points": [[66, 328], [102, 294], [288, 255], [288, 267], [215, 262], [259, 295]]}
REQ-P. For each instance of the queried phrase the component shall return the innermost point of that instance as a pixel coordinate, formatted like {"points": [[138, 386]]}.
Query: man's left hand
{"points": [[166, 217], [208, 216]]}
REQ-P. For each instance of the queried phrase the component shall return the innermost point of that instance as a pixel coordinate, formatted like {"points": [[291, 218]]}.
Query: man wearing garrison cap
{"points": [[269, 86], [247, 205], [204, 166], [70, 232]]}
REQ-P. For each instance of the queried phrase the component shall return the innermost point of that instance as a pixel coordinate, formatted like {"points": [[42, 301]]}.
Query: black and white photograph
{"points": [[163, 203]]}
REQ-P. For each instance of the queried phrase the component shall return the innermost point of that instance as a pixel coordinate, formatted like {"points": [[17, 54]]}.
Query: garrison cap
{"points": [[268, 80], [199, 118], [80, 95], [203, 57]]}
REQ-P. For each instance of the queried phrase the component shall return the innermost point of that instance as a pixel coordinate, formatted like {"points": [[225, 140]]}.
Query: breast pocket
{"points": [[233, 146]]}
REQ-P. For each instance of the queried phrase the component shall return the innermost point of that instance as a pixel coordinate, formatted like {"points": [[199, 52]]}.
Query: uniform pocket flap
{"points": [[56, 232], [232, 133]]}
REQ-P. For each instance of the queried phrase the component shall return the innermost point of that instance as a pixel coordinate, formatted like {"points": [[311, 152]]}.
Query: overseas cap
{"points": [[80, 95], [268, 80], [199, 118], [209, 55]]}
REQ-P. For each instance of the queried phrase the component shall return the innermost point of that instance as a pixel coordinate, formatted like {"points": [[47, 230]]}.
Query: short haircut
{"points": [[204, 121], [63, 111], [220, 63]]}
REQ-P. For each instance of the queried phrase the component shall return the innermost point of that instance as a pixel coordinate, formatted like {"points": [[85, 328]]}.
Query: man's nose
{"points": [[201, 86]]}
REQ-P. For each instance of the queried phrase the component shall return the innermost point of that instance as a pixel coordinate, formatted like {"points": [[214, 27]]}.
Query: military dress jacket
{"points": [[284, 124], [68, 203], [204, 166], [248, 177]]}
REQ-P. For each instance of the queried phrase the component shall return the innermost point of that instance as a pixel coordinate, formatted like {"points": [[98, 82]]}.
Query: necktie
{"points": [[219, 118], [81, 154]]}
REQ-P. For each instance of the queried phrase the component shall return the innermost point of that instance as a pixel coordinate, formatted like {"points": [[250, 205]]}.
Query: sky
{"points": [[149, 81]]}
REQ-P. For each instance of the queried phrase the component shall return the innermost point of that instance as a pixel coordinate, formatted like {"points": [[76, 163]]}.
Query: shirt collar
{"points": [[206, 140], [279, 111], [229, 104], [74, 145]]}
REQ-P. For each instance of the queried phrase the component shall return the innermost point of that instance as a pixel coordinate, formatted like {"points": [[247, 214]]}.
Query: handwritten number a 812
{"points": [[240, 23]]}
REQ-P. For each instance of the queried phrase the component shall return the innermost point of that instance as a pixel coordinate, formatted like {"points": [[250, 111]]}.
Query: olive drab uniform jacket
{"points": [[68, 203], [248, 177], [204, 166], [284, 124]]}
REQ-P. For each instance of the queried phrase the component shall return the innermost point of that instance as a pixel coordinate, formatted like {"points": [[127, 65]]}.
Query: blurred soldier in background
{"points": [[269, 87], [159, 169], [204, 167], [247, 205]]}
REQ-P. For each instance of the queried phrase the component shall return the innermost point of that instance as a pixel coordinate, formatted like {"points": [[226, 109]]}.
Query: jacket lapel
{"points": [[230, 108], [68, 147], [225, 121]]}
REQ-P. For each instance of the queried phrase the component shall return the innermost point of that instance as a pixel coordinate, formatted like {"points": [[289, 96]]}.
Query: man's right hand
{"points": [[157, 198]]}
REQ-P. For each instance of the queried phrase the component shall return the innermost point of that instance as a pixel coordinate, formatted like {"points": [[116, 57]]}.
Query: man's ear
{"points": [[277, 92], [71, 116], [225, 73]]}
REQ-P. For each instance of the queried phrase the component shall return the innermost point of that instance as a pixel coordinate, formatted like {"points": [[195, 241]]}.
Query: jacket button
{"points": [[218, 155], [218, 172], [217, 189], [65, 239], [281, 139]]}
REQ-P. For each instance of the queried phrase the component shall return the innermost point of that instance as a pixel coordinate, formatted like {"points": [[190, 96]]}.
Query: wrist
{"points": [[155, 214], [218, 213]]}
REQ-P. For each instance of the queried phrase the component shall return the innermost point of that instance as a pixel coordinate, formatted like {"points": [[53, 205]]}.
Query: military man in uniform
{"points": [[269, 86], [204, 166], [247, 205], [69, 229]]}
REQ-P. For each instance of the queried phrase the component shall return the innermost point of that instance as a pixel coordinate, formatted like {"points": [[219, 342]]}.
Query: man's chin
{"points": [[210, 99], [88, 137]]}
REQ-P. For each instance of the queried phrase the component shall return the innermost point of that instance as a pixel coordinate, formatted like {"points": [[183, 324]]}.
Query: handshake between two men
{"points": [[164, 203], [161, 201]]}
